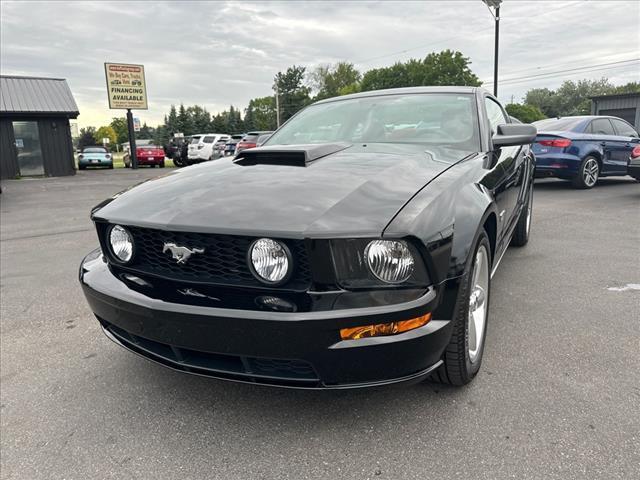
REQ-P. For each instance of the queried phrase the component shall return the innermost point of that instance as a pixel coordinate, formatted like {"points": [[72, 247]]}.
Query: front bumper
{"points": [[300, 350]]}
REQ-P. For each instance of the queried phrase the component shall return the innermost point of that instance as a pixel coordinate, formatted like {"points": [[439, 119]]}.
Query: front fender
{"points": [[447, 216]]}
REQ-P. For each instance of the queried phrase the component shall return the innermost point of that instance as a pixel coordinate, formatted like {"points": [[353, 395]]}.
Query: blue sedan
{"points": [[583, 149]]}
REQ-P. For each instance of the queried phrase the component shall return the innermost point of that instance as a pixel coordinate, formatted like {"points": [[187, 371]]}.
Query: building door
{"points": [[27, 141]]}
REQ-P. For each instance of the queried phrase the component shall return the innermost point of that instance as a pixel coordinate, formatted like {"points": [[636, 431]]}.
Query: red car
{"points": [[151, 155], [250, 140]]}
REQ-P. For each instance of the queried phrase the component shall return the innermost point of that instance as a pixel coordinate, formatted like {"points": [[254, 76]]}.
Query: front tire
{"points": [[588, 173], [463, 356], [521, 234]]}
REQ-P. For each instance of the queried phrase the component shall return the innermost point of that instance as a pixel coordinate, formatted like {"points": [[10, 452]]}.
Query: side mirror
{"points": [[511, 134]]}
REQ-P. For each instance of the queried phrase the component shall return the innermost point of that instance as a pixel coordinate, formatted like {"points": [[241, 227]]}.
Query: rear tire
{"points": [[523, 227], [162, 164], [111, 167], [463, 356], [588, 173], [81, 167]]}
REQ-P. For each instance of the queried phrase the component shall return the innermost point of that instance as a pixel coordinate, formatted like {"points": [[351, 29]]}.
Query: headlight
{"points": [[389, 260], [366, 263], [270, 261], [121, 243]]}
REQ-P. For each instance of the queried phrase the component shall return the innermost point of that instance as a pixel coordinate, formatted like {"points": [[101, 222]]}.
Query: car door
{"points": [[628, 140], [510, 163], [612, 146]]}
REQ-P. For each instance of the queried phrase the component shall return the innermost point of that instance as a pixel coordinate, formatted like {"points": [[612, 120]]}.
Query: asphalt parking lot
{"points": [[558, 395]]}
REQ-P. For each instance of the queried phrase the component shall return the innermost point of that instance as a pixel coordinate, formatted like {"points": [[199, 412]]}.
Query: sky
{"points": [[220, 53]]}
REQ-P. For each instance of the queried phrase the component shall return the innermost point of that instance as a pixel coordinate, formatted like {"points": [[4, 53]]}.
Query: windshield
{"points": [[95, 150], [446, 120], [555, 124]]}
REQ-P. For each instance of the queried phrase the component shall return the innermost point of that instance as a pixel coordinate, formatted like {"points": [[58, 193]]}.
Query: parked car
{"points": [[362, 259], [250, 140], [95, 157], [582, 149], [201, 146], [633, 166], [151, 155], [262, 139], [174, 150], [230, 146], [219, 147]]}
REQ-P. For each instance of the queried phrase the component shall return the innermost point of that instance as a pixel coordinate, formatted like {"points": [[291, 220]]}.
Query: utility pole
{"points": [[132, 139], [495, 53], [277, 107], [495, 4]]}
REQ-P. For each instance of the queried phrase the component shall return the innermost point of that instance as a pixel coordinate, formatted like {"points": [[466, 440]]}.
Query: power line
{"points": [[399, 52], [578, 69], [553, 65]]}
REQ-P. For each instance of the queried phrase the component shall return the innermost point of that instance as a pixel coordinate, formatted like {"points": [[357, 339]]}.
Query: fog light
{"points": [[382, 329]]}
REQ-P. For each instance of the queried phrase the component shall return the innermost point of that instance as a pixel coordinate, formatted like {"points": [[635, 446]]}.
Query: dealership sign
{"points": [[126, 86]]}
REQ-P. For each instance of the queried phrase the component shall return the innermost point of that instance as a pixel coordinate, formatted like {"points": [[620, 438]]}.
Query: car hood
{"points": [[355, 191]]}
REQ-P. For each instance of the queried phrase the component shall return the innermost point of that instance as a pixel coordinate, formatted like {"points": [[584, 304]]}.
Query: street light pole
{"points": [[496, 5], [495, 53]]}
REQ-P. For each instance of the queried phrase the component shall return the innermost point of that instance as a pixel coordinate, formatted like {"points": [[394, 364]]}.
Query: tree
{"points": [[171, 121], [184, 122], [261, 114], [146, 131], [572, 98], [444, 68], [105, 132], [631, 87], [86, 137], [525, 113], [294, 94], [119, 125], [329, 80], [199, 119]]}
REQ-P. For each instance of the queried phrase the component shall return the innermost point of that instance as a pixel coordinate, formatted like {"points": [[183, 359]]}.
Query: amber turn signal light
{"points": [[381, 329]]}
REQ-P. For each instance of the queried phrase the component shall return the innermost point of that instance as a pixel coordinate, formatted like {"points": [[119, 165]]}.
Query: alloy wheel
{"points": [[590, 172], [478, 300]]}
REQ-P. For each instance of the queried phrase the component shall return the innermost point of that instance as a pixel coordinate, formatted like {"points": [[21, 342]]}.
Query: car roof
{"points": [[407, 91]]}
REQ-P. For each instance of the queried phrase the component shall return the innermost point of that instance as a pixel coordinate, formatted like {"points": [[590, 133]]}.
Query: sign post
{"points": [[127, 89]]}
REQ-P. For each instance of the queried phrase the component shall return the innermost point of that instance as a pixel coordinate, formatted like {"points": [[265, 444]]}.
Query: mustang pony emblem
{"points": [[179, 253]]}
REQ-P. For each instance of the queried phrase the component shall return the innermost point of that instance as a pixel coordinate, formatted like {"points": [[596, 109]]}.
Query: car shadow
{"points": [[200, 400], [551, 184]]}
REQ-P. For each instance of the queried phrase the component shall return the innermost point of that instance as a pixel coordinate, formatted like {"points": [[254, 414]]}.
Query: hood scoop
{"points": [[291, 155]]}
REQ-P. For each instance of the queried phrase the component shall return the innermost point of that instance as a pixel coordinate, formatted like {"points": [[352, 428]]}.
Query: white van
{"points": [[201, 146]]}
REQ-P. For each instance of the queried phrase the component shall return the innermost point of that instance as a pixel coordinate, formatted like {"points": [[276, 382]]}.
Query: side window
{"points": [[623, 128], [495, 114], [208, 139], [602, 126]]}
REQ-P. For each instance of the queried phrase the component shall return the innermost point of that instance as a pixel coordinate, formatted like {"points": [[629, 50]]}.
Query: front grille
{"points": [[269, 371], [224, 260]]}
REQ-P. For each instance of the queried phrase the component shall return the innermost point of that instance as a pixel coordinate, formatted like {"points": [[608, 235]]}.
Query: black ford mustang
{"points": [[355, 248]]}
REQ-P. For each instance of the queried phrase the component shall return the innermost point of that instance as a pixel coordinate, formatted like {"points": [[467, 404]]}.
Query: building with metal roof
{"points": [[624, 105], [35, 137]]}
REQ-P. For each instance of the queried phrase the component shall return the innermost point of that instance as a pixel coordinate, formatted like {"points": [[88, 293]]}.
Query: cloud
{"points": [[216, 54]]}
